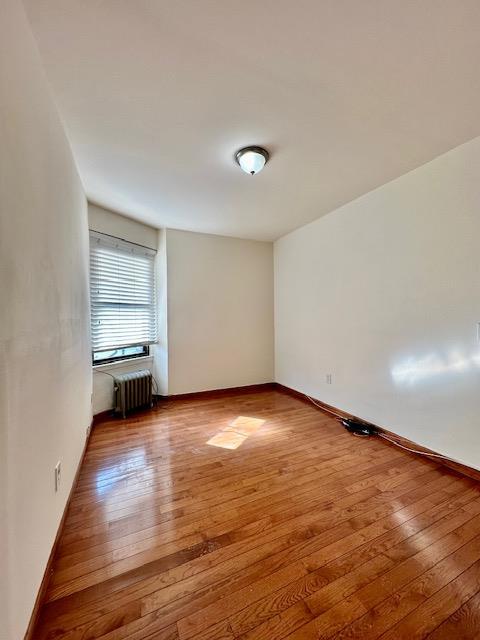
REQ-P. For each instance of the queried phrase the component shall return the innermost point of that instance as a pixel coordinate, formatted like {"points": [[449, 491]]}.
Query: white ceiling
{"points": [[345, 94]]}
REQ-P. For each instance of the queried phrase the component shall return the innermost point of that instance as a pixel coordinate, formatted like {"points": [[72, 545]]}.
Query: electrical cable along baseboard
{"points": [[361, 428]]}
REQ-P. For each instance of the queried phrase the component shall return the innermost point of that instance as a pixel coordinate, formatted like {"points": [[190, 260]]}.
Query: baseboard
{"points": [[335, 411], [195, 395], [339, 413], [216, 393], [49, 568], [102, 416]]}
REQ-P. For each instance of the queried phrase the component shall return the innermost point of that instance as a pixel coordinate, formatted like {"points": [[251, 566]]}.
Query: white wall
{"points": [[220, 312], [384, 294], [45, 374], [160, 350], [215, 310], [114, 224]]}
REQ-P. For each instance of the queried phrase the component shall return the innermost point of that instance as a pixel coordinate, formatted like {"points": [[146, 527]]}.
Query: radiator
{"points": [[133, 390]]}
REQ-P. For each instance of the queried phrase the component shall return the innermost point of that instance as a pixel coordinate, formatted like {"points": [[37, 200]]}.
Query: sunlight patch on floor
{"points": [[236, 433]]}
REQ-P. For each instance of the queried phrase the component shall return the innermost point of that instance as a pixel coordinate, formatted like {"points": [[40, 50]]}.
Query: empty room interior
{"points": [[239, 319]]}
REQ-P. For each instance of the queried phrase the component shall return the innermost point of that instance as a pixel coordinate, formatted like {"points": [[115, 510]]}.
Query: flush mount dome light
{"points": [[252, 159]]}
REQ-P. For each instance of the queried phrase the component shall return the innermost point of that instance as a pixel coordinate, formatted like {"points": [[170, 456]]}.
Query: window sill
{"points": [[121, 363]]}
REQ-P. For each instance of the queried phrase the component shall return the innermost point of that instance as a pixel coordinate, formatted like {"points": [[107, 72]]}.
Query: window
{"points": [[122, 296], [112, 355]]}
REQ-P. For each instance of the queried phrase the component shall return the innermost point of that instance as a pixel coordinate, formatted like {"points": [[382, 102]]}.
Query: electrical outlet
{"points": [[58, 475], [328, 378]]}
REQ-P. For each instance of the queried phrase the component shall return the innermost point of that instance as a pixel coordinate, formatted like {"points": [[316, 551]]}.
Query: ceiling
{"points": [[156, 98]]}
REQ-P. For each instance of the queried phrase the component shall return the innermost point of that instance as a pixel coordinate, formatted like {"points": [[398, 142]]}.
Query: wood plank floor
{"points": [[299, 530]]}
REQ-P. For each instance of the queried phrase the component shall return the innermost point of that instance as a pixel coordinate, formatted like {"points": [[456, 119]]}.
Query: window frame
{"points": [[145, 346]]}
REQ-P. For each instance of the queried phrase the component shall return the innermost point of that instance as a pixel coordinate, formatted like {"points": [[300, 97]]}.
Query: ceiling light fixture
{"points": [[252, 159]]}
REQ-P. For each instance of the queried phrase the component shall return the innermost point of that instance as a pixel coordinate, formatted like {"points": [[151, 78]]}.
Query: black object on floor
{"points": [[358, 428]]}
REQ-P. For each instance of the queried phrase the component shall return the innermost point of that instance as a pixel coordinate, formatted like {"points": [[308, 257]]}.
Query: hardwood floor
{"points": [[302, 531]]}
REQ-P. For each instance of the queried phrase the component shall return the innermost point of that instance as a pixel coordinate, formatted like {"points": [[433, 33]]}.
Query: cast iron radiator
{"points": [[133, 390]]}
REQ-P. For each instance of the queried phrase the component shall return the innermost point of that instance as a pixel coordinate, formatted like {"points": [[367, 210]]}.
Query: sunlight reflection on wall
{"points": [[414, 370]]}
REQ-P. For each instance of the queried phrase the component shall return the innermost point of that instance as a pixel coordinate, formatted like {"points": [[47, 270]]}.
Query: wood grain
{"points": [[400, 440], [302, 531]]}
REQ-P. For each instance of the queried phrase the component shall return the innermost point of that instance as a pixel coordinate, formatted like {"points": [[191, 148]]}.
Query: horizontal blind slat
{"points": [[122, 292]]}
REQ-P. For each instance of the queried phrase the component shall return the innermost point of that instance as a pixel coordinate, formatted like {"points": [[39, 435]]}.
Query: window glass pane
{"points": [[116, 354]]}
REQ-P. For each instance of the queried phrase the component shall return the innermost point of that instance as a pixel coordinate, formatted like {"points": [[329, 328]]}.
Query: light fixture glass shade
{"points": [[252, 159]]}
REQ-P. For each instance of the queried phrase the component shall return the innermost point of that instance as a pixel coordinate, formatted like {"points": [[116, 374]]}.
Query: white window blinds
{"points": [[122, 293]]}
